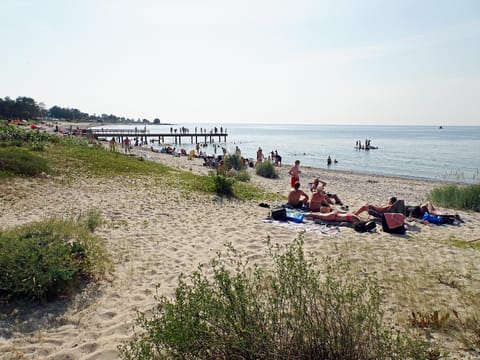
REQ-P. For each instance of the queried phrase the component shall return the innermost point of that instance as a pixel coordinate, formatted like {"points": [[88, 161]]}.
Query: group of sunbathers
{"points": [[319, 205]]}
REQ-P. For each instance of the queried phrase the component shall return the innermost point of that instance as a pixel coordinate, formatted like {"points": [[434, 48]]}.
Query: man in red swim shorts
{"points": [[294, 172]]}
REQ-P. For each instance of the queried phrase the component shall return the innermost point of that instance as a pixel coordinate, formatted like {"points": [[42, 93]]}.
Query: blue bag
{"points": [[295, 216], [432, 219]]}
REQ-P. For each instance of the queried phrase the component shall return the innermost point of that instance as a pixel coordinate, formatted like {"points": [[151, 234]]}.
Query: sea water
{"points": [[451, 153]]}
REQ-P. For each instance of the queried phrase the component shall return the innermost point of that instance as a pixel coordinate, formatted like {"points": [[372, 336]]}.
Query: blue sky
{"points": [[300, 61]]}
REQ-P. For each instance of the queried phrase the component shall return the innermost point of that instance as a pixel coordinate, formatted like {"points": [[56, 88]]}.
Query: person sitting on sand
{"points": [[321, 188], [376, 209], [297, 198], [334, 216], [319, 201]]}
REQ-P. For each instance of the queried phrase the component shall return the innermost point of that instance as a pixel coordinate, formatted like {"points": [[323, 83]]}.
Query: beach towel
{"points": [[320, 229]]}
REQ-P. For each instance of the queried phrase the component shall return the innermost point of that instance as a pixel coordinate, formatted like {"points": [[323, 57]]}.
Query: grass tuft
{"points": [[21, 162], [465, 197], [267, 170]]}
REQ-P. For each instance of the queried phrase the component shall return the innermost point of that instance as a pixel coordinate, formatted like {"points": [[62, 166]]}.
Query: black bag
{"points": [[447, 219], [364, 226], [279, 213], [393, 223]]}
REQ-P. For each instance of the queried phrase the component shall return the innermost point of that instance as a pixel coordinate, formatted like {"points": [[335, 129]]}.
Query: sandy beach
{"points": [[154, 234]]}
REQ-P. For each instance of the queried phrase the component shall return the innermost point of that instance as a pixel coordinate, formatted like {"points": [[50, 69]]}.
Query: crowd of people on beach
{"points": [[320, 205], [317, 204]]}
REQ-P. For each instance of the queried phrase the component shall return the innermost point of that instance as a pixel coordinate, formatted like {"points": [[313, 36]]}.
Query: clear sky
{"points": [[249, 61]]}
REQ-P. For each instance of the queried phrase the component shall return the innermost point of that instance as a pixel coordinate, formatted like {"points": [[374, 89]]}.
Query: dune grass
{"points": [[94, 161], [461, 197], [73, 157], [267, 170], [18, 161]]}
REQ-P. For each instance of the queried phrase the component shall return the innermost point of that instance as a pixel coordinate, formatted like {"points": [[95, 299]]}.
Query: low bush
{"points": [[290, 312], [10, 134], [19, 161], [267, 170], [47, 258], [223, 185], [243, 175], [466, 197], [233, 161]]}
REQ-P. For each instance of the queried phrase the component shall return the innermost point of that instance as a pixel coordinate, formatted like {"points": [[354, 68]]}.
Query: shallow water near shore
{"points": [[425, 152]]}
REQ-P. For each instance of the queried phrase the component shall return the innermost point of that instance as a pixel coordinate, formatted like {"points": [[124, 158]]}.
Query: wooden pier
{"points": [[175, 136]]}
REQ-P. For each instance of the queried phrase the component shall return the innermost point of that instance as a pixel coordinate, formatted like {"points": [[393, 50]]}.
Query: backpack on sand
{"points": [[393, 223], [364, 226], [279, 213]]}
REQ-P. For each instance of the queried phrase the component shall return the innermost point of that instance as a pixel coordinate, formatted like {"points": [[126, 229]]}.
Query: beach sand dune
{"points": [[154, 234]]}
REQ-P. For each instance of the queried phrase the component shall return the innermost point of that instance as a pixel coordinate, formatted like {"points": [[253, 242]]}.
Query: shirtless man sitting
{"points": [[297, 198]]}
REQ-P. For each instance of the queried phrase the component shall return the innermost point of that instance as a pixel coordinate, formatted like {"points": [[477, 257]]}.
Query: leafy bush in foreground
{"points": [[267, 170], [292, 312], [46, 258], [21, 162], [457, 197]]}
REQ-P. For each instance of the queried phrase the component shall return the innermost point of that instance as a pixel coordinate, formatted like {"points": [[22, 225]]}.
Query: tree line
{"points": [[26, 108]]}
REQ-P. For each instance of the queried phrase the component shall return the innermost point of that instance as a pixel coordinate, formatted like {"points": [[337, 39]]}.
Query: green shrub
{"points": [[290, 312], [465, 197], [38, 146], [243, 175], [223, 185], [267, 170], [21, 162], [42, 259], [12, 133], [233, 161]]}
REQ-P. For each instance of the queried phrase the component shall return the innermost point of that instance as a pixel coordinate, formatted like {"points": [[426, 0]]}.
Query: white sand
{"points": [[154, 234]]}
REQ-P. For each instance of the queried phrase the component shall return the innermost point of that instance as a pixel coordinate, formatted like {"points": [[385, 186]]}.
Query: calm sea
{"points": [[426, 152]]}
